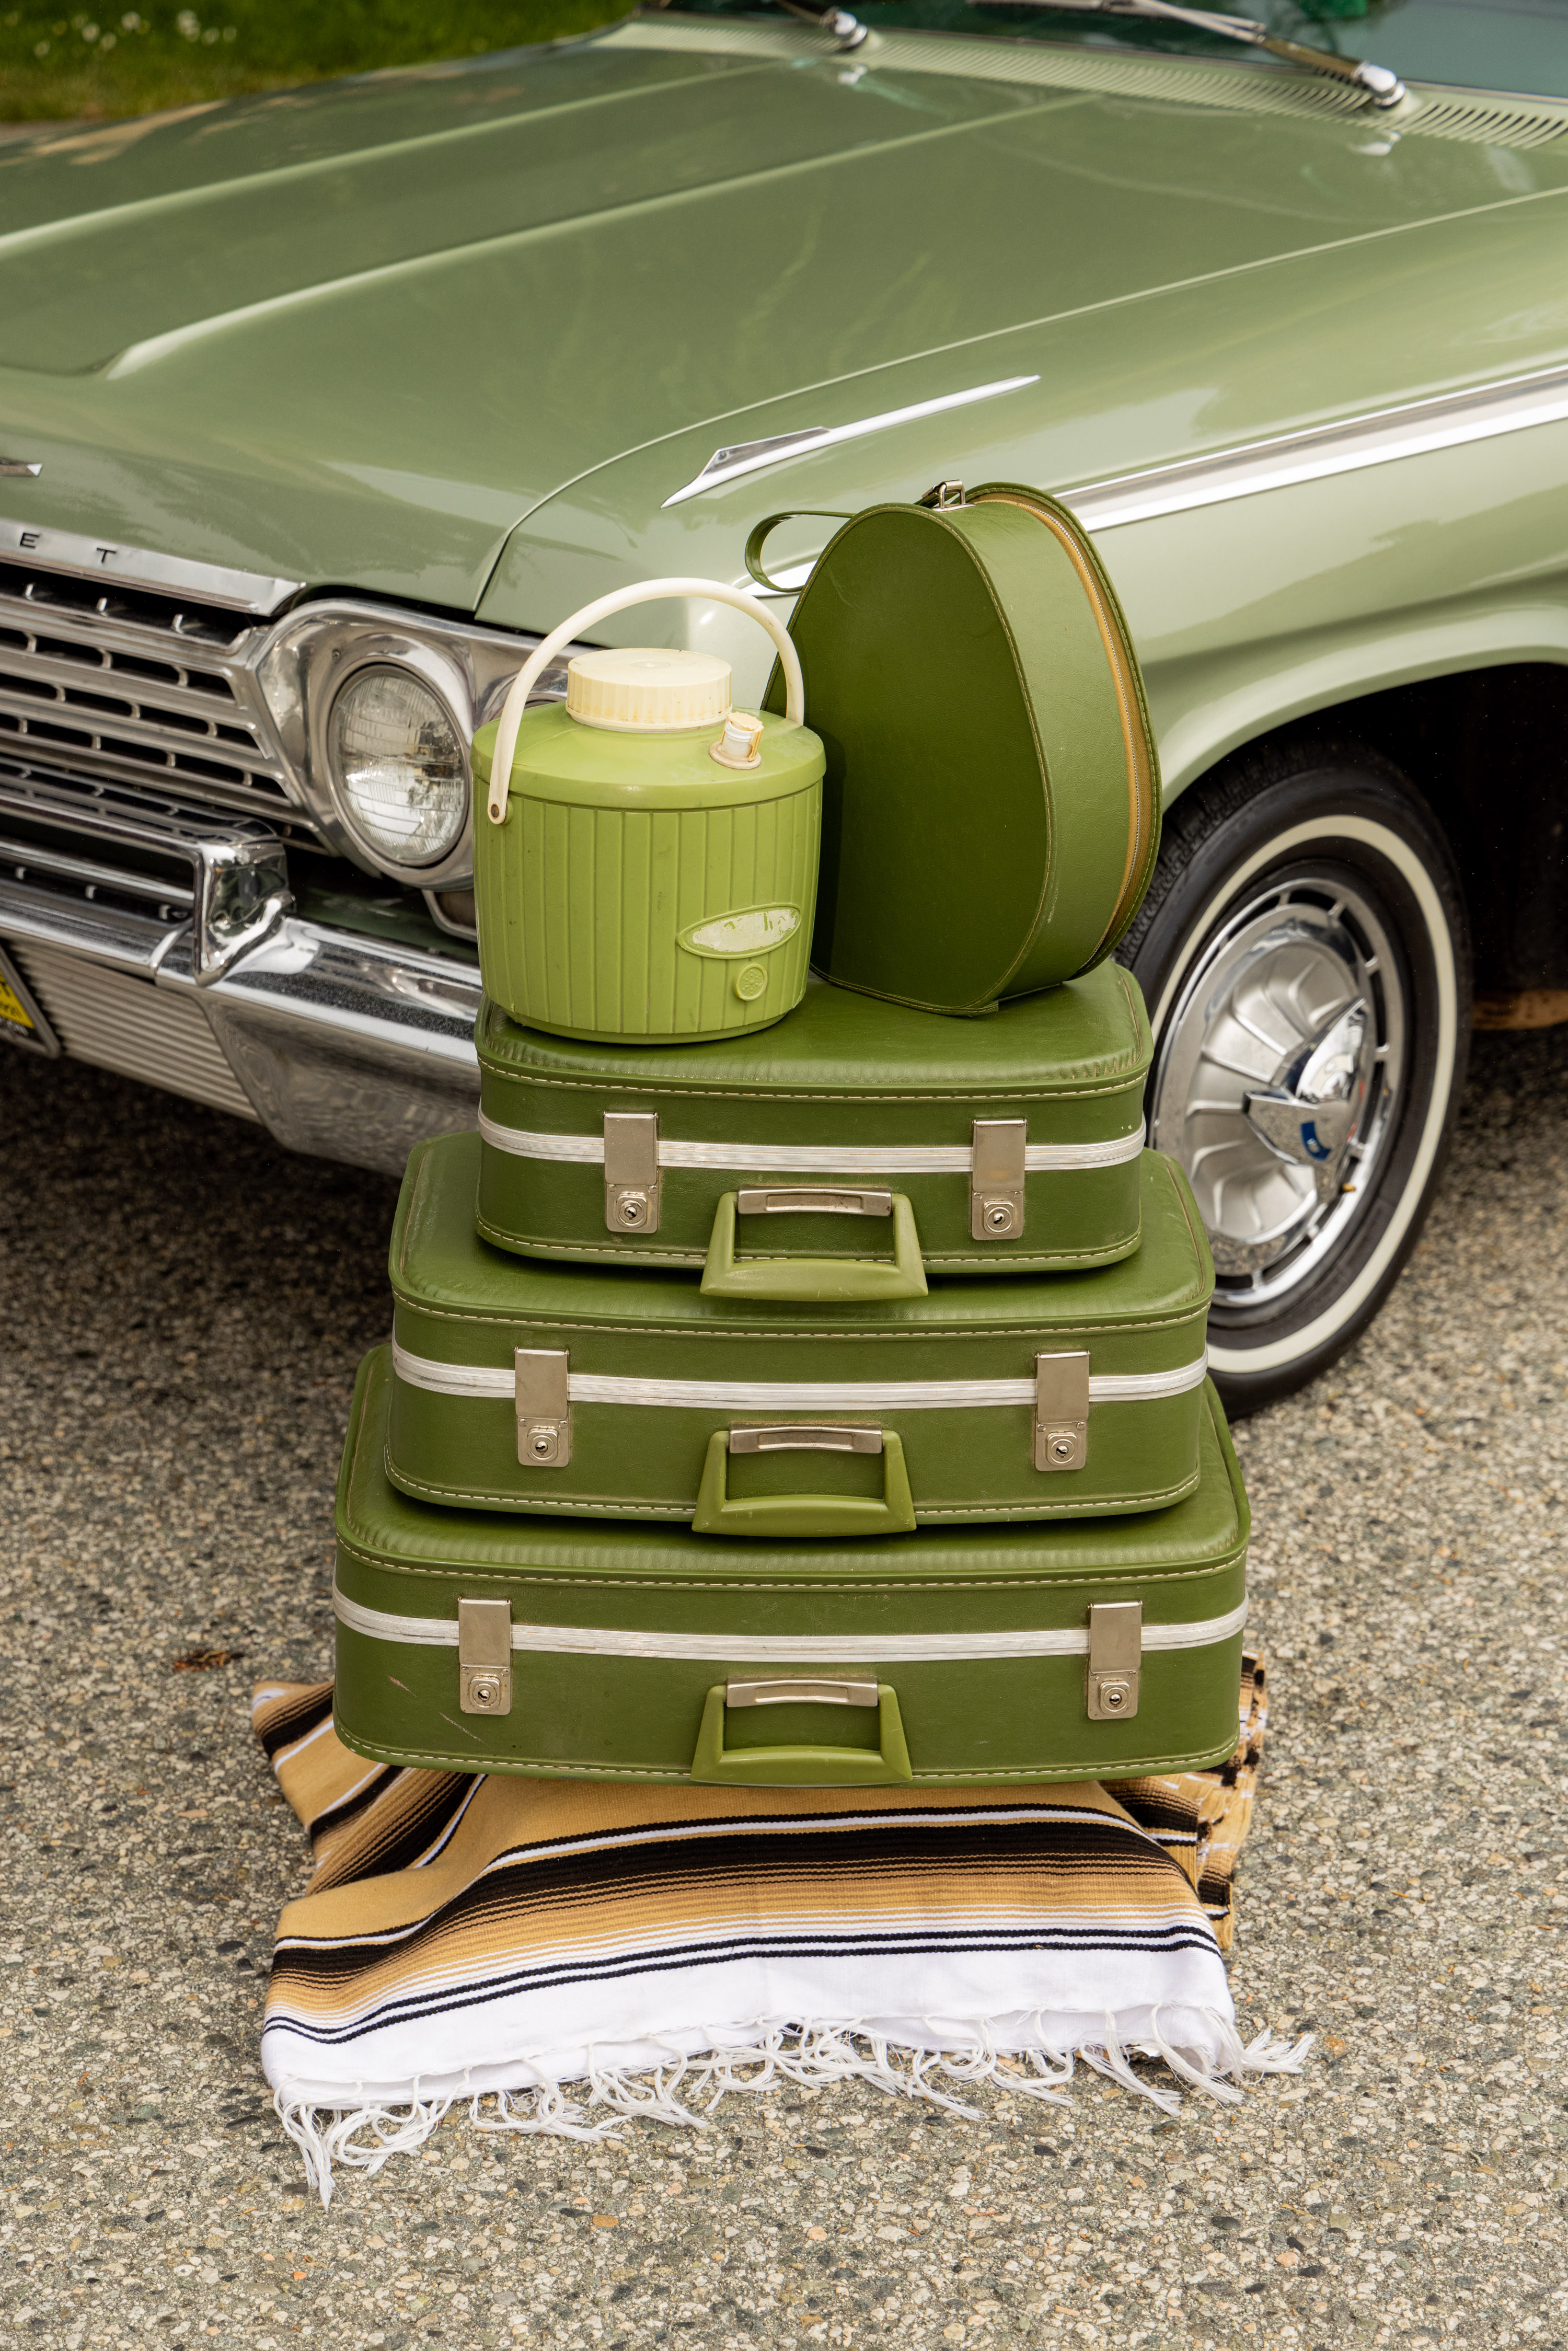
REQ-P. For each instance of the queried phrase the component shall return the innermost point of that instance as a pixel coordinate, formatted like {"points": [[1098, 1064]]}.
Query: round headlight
{"points": [[397, 766]]}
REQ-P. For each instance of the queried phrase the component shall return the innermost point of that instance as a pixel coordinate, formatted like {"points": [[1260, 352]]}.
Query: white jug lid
{"points": [[648, 690]]}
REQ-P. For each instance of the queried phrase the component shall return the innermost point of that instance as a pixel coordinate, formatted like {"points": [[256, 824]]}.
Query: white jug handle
{"points": [[712, 592]]}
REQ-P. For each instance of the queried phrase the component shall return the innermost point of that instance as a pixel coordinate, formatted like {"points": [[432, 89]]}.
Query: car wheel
{"points": [[1305, 956]]}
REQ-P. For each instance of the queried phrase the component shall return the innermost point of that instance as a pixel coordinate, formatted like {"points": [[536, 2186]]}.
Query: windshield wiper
{"points": [[846, 31], [1380, 86]]}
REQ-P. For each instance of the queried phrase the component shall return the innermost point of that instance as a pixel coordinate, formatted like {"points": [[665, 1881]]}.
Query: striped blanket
{"points": [[493, 1940]]}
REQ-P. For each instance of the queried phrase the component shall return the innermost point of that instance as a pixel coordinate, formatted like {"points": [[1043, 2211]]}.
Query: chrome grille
{"points": [[122, 1022], [137, 686]]}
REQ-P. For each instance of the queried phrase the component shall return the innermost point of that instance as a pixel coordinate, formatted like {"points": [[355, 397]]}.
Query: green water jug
{"points": [[645, 862]]}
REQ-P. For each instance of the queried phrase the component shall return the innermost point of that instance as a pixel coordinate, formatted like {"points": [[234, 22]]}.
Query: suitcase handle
{"points": [[804, 1514], [886, 1764], [815, 1281]]}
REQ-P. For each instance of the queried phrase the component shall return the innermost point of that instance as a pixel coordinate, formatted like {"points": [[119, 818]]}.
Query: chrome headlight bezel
{"points": [[445, 682], [319, 648]]}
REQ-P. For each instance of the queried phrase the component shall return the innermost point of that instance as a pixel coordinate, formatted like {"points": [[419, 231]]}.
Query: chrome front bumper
{"points": [[341, 1045]]}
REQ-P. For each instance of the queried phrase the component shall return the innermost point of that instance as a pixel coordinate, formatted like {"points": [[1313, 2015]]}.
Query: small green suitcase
{"points": [[474, 1642], [1015, 1140], [633, 1393]]}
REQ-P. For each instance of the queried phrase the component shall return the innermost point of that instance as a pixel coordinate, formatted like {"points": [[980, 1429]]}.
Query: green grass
{"points": [[121, 61]]}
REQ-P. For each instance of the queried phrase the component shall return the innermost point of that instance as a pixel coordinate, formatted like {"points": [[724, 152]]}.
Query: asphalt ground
{"points": [[181, 1308]]}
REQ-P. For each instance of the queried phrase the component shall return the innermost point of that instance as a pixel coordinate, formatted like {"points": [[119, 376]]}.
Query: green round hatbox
{"points": [[992, 805], [645, 857]]}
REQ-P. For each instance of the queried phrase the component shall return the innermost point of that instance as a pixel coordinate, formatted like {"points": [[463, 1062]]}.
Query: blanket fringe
{"points": [[362, 2136]]}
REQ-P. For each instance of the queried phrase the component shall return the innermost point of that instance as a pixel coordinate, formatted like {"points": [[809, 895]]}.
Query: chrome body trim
{"points": [[344, 1046], [349, 1049], [145, 567], [238, 887], [732, 465], [139, 692], [438, 906], [120, 681], [23, 857], [313, 652], [1377, 437]]}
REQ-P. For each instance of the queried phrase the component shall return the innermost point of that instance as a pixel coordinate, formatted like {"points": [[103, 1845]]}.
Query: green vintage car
{"points": [[317, 410]]}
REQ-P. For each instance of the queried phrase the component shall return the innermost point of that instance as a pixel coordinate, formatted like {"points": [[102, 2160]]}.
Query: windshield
{"points": [[1520, 46]]}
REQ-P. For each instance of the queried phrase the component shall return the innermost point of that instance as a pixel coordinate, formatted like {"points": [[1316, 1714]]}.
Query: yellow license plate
{"points": [[21, 1020]]}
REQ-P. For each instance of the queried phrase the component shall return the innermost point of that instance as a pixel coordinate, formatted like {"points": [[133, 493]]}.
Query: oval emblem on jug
{"points": [[749, 931]]}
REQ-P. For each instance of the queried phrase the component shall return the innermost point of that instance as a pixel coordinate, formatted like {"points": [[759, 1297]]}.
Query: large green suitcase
{"points": [[527, 1385], [1015, 1140], [992, 807], [471, 1641]]}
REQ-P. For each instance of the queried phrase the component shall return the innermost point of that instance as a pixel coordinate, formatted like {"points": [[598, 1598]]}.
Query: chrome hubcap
{"points": [[1275, 1078]]}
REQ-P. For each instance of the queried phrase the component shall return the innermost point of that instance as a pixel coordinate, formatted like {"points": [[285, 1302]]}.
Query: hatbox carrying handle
{"points": [[651, 591], [766, 528]]}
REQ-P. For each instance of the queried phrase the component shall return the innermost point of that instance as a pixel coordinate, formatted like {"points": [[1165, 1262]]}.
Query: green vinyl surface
{"points": [[990, 803], [462, 1303], [622, 855], [844, 1071], [591, 1714]]}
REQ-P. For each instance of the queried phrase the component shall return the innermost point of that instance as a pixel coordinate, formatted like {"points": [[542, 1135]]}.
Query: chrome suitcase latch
{"points": [[632, 1171], [1062, 1411], [485, 1657], [1115, 1656], [997, 1178], [544, 1415]]}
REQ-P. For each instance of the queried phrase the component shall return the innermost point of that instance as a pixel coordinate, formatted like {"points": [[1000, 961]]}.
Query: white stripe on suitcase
{"points": [[805, 1159], [782, 1649], [793, 1395]]}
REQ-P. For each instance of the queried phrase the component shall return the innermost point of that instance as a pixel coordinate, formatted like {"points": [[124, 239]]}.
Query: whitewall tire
{"points": [[1305, 956]]}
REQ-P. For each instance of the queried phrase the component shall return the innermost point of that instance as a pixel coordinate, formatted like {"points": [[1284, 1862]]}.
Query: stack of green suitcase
{"points": [[823, 1404]]}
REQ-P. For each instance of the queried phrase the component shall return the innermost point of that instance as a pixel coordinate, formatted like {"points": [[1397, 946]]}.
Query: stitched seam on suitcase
{"points": [[434, 1758], [494, 1496], [1181, 1203], [544, 1245], [1088, 1579], [975, 1332], [1137, 1007], [1052, 817], [1087, 1090]]}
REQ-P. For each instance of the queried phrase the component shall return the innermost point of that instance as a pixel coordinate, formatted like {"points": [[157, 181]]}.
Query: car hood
{"points": [[357, 334]]}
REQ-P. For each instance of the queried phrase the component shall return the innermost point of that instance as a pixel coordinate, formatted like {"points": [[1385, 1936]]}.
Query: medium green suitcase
{"points": [[474, 1642], [631, 1393], [1015, 1140], [991, 805]]}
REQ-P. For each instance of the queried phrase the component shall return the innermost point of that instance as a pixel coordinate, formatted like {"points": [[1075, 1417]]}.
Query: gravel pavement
{"points": [[180, 1310]]}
